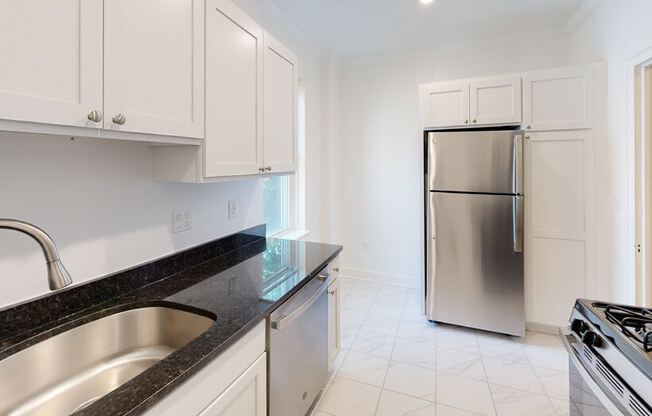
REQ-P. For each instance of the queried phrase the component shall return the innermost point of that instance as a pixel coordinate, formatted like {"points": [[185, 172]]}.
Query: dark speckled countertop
{"points": [[237, 280]]}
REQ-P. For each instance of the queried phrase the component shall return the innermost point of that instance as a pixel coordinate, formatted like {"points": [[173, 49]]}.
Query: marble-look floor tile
{"points": [[382, 308], [382, 324], [351, 318], [413, 311], [443, 410], [420, 330], [347, 336], [564, 407], [357, 303], [346, 397], [508, 351], [346, 284], [547, 357], [555, 383], [392, 294], [365, 368], [396, 404], [510, 374], [512, 402], [462, 339], [365, 289], [373, 343], [464, 393], [461, 363], [411, 380], [338, 361], [415, 353]]}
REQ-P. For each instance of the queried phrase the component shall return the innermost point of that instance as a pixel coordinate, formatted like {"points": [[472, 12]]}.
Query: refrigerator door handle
{"points": [[517, 223], [517, 172], [431, 254]]}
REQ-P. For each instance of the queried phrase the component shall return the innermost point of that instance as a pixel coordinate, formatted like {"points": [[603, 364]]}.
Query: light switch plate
{"points": [[233, 209], [181, 220]]}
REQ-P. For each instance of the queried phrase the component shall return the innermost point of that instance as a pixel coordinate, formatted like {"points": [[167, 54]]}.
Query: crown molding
{"points": [[581, 15]]}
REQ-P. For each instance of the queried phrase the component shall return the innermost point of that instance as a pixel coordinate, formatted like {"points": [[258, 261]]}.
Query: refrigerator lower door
{"points": [[475, 261]]}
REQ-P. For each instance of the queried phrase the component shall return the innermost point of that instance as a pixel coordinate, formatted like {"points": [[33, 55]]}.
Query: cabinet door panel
{"points": [[234, 62], [280, 106], [154, 66], [51, 66], [496, 101], [445, 104], [333, 321], [247, 396], [559, 99]]}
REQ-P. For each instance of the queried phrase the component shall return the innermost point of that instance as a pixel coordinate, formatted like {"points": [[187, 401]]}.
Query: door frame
{"points": [[639, 130]]}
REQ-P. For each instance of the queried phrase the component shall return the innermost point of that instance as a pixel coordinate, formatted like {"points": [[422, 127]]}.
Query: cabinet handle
{"points": [[261, 169], [466, 121], [119, 119], [331, 292], [95, 116], [474, 120], [527, 137], [268, 168], [528, 127], [336, 269]]}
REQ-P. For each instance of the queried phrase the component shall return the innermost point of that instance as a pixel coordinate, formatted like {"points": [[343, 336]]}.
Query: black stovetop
{"points": [[625, 326]]}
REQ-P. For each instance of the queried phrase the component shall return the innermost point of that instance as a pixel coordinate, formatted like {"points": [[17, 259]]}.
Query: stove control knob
{"points": [[579, 326], [591, 339]]}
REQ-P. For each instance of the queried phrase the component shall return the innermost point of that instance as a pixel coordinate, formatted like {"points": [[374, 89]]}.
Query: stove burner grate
{"points": [[634, 322]]}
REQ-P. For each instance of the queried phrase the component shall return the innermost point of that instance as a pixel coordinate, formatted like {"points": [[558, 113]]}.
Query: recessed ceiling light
{"points": [[426, 1]]}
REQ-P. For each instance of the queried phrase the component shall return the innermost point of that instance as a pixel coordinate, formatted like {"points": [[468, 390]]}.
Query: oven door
{"points": [[592, 394]]}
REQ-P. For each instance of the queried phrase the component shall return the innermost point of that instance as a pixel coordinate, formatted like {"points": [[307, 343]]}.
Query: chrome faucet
{"points": [[58, 276]]}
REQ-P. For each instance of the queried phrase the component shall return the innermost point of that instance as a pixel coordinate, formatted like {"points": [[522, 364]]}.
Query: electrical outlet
{"points": [[233, 209], [181, 220]]}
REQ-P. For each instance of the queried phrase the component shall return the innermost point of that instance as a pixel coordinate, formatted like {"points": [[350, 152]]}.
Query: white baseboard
{"points": [[381, 277], [545, 328]]}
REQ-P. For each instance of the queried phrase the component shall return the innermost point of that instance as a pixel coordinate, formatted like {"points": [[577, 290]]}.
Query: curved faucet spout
{"points": [[58, 276]]}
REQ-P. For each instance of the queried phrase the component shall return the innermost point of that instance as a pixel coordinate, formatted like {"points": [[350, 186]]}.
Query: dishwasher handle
{"points": [[313, 290]]}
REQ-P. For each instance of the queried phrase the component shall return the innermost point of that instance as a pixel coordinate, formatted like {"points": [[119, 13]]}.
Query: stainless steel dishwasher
{"points": [[298, 349]]}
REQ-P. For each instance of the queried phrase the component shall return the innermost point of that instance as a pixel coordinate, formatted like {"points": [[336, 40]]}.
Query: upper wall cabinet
{"points": [[559, 99], [234, 92], [51, 66], [280, 107], [154, 66], [496, 101], [487, 101], [445, 104]]}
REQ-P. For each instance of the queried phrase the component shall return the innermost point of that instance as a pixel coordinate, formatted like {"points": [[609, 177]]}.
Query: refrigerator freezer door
{"points": [[475, 275], [476, 161]]}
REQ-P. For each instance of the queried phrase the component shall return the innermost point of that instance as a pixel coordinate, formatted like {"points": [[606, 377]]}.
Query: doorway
{"points": [[640, 69]]}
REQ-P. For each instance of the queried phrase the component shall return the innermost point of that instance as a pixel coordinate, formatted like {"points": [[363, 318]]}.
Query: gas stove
{"points": [[610, 350]]}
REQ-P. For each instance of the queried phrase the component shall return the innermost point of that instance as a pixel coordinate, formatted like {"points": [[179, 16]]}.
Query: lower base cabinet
{"points": [[334, 299], [234, 384]]}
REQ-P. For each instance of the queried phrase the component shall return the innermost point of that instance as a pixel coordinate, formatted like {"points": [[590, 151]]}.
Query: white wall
{"points": [[380, 193], [615, 32], [99, 202]]}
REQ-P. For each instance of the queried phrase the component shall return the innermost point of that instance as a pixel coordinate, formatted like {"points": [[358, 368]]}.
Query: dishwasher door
{"points": [[298, 349]]}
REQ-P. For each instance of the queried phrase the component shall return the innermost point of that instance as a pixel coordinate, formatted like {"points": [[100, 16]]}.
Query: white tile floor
{"points": [[394, 362]]}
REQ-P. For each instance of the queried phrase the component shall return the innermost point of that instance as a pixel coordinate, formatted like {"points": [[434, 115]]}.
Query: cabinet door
{"points": [[496, 101], [280, 107], [333, 321], [558, 99], [247, 396], [51, 65], [234, 79], [445, 104], [154, 66]]}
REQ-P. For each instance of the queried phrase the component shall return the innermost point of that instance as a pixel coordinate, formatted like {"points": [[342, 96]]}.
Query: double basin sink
{"points": [[71, 370]]}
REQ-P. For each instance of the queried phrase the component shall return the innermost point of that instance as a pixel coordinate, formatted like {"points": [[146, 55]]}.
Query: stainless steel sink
{"points": [[71, 370]]}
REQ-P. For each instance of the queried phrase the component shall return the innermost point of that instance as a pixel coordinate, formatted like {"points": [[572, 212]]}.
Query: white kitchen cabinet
{"points": [[334, 300], [280, 107], [495, 101], [154, 66], [234, 93], [559, 99], [445, 104], [233, 384], [51, 65]]}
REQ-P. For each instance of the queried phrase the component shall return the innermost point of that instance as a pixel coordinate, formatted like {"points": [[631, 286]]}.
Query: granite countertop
{"points": [[237, 280]]}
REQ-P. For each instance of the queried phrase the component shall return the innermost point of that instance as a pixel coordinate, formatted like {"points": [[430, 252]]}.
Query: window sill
{"points": [[291, 234]]}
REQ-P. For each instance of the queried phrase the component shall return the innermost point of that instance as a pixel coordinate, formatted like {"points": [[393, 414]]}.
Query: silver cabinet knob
{"points": [[268, 168], [474, 120], [528, 127], [261, 169], [466, 121], [331, 292], [119, 119], [95, 116], [527, 137]]}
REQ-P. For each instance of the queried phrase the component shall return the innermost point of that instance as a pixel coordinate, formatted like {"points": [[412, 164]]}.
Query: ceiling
{"points": [[357, 28]]}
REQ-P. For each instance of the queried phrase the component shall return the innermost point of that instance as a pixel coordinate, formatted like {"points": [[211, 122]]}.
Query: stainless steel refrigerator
{"points": [[474, 230]]}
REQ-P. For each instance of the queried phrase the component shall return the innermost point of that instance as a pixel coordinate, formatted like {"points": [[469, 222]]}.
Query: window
{"points": [[276, 204]]}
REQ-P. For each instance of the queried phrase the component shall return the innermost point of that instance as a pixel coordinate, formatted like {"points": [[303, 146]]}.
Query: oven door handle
{"points": [[568, 339], [281, 318]]}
